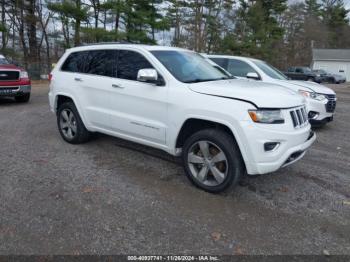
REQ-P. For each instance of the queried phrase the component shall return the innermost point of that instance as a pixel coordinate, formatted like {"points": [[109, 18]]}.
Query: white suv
{"points": [[321, 100], [173, 99]]}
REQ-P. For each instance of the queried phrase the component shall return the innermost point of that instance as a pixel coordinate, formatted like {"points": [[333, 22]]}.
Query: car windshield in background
{"points": [[3, 61], [189, 67], [307, 70], [270, 70]]}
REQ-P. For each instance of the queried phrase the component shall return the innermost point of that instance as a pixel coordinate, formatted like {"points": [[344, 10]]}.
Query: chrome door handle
{"points": [[78, 79], [117, 86]]}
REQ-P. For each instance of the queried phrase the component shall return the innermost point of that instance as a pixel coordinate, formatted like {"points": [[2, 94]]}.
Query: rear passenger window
{"points": [[100, 62], [129, 63], [74, 62]]}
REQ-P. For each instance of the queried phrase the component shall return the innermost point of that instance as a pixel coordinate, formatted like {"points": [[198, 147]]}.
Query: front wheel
{"points": [[212, 160]]}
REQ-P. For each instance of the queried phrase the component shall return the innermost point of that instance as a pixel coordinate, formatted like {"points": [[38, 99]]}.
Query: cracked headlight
{"points": [[268, 116]]}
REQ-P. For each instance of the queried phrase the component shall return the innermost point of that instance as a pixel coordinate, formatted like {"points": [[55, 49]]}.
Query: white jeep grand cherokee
{"points": [[174, 100]]}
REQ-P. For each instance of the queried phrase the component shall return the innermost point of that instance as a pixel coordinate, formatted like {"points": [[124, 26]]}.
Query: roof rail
{"points": [[110, 43]]}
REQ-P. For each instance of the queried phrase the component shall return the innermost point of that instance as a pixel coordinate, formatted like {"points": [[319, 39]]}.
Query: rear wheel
{"points": [[70, 125], [23, 98], [212, 160]]}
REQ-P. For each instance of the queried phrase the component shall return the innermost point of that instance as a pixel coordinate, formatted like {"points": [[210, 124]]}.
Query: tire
{"points": [[198, 168], [70, 125], [23, 98]]}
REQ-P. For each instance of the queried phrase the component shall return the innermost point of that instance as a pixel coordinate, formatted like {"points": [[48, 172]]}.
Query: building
{"points": [[336, 61]]}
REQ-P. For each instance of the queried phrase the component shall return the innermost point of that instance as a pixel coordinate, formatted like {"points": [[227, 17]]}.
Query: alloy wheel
{"points": [[68, 124], [207, 163]]}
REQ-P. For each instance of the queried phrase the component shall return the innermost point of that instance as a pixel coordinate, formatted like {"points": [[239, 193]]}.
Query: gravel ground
{"points": [[110, 196]]}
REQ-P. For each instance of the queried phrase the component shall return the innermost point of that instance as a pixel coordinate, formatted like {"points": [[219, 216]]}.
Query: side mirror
{"points": [[253, 75], [147, 75]]}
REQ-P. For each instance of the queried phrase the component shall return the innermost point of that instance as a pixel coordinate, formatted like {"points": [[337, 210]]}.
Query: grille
{"points": [[299, 117], [332, 103], [9, 75], [8, 88]]}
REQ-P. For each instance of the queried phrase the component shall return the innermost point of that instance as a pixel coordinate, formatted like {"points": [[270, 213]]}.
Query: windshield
{"points": [[270, 70], [3, 61], [189, 67]]}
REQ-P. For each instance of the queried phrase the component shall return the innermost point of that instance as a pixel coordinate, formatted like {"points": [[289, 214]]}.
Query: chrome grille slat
{"points": [[331, 104], [299, 117]]}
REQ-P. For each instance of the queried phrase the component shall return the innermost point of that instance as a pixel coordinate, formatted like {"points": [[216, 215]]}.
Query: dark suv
{"points": [[302, 73]]}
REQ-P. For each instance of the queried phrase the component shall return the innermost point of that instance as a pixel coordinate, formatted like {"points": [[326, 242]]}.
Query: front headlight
{"points": [[312, 95], [24, 74], [268, 116]]}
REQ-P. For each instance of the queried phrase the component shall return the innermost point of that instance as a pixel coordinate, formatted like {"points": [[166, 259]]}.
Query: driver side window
{"points": [[129, 63], [239, 68]]}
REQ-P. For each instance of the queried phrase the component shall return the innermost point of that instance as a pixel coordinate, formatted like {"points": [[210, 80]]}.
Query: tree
{"points": [[257, 28], [335, 17], [70, 10]]}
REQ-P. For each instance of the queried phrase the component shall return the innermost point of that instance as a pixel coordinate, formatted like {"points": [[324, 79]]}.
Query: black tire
{"points": [[81, 135], [23, 98], [227, 144]]}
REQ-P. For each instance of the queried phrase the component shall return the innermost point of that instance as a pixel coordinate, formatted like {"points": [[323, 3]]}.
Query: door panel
{"points": [[138, 109], [95, 84]]}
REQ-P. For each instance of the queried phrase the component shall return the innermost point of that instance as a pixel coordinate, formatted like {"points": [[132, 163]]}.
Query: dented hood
{"points": [[260, 94]]}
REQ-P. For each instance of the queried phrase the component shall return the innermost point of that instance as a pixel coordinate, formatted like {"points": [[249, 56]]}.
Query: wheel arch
{"points": [[61, 98], [194, 124]]}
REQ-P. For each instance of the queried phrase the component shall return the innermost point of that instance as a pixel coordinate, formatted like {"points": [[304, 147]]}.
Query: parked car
{"points": [[329, 77], [321, 100], [173, 99], [303, 73], [14, 81]]}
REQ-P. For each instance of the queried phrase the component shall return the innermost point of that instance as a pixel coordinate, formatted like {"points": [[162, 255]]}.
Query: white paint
{"points": [[154, 115], [334, 67]]}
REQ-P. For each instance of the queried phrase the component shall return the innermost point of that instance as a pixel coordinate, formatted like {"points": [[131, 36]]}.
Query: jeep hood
{"points": [[307, 85], [262, 95]]}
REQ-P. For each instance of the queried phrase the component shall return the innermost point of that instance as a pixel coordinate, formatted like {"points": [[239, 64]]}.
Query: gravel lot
{"points": [[113, 197]]}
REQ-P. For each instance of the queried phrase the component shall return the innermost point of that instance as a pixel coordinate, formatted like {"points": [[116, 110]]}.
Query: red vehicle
{"points": [[14, 81]]}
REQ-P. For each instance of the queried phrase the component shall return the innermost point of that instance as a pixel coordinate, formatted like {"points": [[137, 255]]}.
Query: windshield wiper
{"points": [[198, 80]]}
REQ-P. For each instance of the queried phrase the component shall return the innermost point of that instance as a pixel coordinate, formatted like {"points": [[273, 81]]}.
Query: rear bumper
{"points": [[11, 91]]}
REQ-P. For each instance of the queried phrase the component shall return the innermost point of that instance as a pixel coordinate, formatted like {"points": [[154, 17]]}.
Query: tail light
{"points": [[50, 77]]}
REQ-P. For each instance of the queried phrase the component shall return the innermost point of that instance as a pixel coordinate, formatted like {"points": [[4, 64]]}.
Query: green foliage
{"points": [[312, 8], [89, 35], [257, 27], [335, 17], [3, 28], [69, 8]]}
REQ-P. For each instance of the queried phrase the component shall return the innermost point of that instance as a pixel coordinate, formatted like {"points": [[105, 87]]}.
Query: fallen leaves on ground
{"points": [[216, 236]]}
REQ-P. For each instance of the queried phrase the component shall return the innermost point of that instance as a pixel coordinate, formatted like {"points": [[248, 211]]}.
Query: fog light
{"points": [[313, 115], [271, 146]]}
